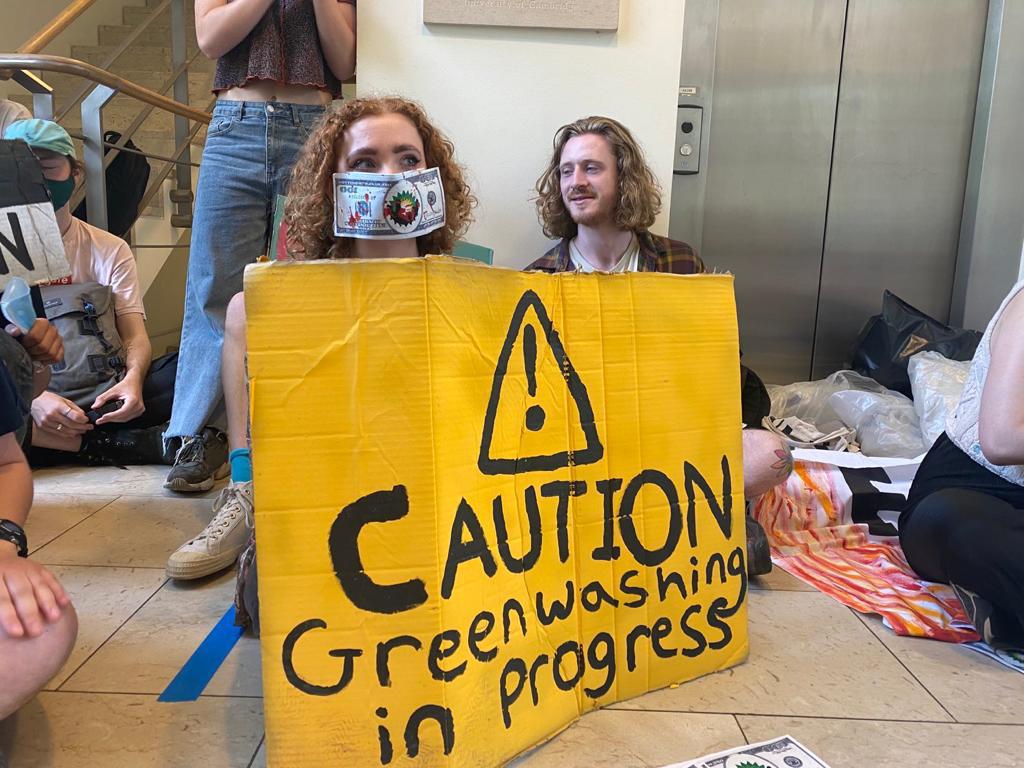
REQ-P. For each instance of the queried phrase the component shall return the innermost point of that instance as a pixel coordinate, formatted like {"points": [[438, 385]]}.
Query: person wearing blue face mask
{"points": [[104, 260]]}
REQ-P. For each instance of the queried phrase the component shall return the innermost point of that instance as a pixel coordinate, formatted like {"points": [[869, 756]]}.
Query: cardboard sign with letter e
{"points": [[487, 502]]}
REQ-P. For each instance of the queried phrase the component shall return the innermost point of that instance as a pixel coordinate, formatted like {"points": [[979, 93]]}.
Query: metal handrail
{"points": [[118, 146], [129, 132], [144, 113], [63, 64], [55, 26], [157, 178]]}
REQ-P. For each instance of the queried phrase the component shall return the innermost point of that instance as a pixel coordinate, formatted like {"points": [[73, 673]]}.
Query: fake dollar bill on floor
{"points": [[384, 206], [784, 752]]}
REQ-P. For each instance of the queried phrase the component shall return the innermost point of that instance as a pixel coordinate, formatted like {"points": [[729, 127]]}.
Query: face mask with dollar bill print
{"points": [[388, 206]]}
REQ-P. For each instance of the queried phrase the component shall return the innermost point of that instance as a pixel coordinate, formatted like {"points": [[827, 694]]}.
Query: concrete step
{"points": [[154, 34], [133, 15], [189, 4], [151, 4], [199, 82], [152, 58]]}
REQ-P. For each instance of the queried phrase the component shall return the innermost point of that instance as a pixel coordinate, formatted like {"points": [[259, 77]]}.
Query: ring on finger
{"points": [[60, 427], [67, 410]]}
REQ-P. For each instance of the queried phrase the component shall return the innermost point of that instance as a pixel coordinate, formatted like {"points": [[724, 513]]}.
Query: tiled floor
{"points": [[839, 682]]}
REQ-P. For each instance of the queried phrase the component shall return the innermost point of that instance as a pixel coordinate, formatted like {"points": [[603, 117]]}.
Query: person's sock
{"points": [[240, 460]]}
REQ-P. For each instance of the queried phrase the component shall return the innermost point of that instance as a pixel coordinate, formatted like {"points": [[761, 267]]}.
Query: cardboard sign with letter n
{"points": [[30, 241], [487, 502]]}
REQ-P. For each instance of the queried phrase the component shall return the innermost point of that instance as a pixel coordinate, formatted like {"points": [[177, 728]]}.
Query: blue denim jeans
{"points": [[250, 150]]}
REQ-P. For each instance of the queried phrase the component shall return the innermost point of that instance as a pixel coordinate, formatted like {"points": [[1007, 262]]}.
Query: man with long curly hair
{"points": [[370, 135], [599, 196]]}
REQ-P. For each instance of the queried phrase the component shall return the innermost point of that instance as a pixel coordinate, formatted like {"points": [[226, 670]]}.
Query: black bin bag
{"points": [[888, 341]]}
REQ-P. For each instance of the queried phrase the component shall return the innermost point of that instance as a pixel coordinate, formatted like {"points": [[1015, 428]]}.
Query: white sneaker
{"points": [[217, 547]]}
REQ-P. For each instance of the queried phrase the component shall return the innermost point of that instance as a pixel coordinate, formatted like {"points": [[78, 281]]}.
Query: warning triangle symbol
{"points": [[534, 417]]}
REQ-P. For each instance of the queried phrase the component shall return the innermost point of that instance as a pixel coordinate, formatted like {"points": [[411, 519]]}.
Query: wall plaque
{"points": [[556, 14]]}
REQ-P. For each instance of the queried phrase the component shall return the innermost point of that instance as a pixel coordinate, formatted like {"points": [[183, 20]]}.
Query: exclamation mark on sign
{"points": [[534, 414]]}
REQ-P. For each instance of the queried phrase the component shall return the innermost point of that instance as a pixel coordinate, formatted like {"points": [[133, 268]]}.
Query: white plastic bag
{"points": [[937, 383], [886, 423], [809, 400]]}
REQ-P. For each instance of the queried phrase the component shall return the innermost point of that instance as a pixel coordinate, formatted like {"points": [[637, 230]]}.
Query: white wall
{"points": [[32, 15], [500, 93]]}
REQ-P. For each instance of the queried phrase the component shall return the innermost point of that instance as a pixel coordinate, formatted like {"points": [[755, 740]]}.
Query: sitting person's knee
{"points": [[942, 516], [59, 638], [30, 663], [767, 461]]}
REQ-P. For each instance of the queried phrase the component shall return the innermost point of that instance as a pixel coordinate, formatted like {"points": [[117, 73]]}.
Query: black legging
{"points": [[965, 525]]}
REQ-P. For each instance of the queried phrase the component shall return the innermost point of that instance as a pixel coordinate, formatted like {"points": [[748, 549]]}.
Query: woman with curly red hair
{"points": [[367, 136], [338, 146]]}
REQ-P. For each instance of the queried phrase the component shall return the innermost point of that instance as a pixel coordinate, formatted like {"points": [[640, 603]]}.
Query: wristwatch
{"points": [[14, 533]]}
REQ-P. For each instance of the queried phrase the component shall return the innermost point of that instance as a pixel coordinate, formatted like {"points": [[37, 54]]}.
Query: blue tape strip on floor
{"points": [[193, 678]]}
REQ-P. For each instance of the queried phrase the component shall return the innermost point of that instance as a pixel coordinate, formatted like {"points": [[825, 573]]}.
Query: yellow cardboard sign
{"points": [[487, 502]]}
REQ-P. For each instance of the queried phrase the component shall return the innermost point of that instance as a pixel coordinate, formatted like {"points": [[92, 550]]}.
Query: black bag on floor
{"points": [[126, 178], [888, 341]]}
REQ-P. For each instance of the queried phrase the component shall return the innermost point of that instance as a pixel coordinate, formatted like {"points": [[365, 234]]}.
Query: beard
{"points": [[593, 215]]}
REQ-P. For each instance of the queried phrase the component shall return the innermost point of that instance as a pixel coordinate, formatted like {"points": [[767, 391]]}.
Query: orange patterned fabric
{"points": [[812, 535]]}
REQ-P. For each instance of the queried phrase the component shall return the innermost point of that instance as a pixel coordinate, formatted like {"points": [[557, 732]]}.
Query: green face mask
{"points": [[60, 191]]}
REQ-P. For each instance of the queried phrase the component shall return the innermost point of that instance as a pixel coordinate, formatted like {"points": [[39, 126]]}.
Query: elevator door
{"points": [[835, 137]]}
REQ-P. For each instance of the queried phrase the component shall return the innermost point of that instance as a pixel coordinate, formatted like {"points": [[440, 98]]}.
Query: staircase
{"points": [[148, 63]]}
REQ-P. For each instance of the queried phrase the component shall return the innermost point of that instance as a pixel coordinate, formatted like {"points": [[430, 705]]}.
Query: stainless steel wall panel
{"points": [[696, 81], [989, 257], [770, 134], [903, 133]]}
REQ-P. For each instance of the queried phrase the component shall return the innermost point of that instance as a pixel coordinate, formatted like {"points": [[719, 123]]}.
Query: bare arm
{"points": [[767, 461], [40, 379], [336, 27], [30, 596], [1001, 424], [221, 25], [138, 355], [137, 349]]}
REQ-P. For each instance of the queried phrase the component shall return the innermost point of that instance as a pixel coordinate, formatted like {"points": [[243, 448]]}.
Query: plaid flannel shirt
{"points": [[657, 254]]}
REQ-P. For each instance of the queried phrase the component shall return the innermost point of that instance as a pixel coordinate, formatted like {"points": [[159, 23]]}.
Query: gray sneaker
{"points": [[201, 461], [217, 547]]}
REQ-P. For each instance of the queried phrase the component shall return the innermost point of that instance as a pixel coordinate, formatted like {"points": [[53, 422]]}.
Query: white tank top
{"points": [[962, 425]]}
